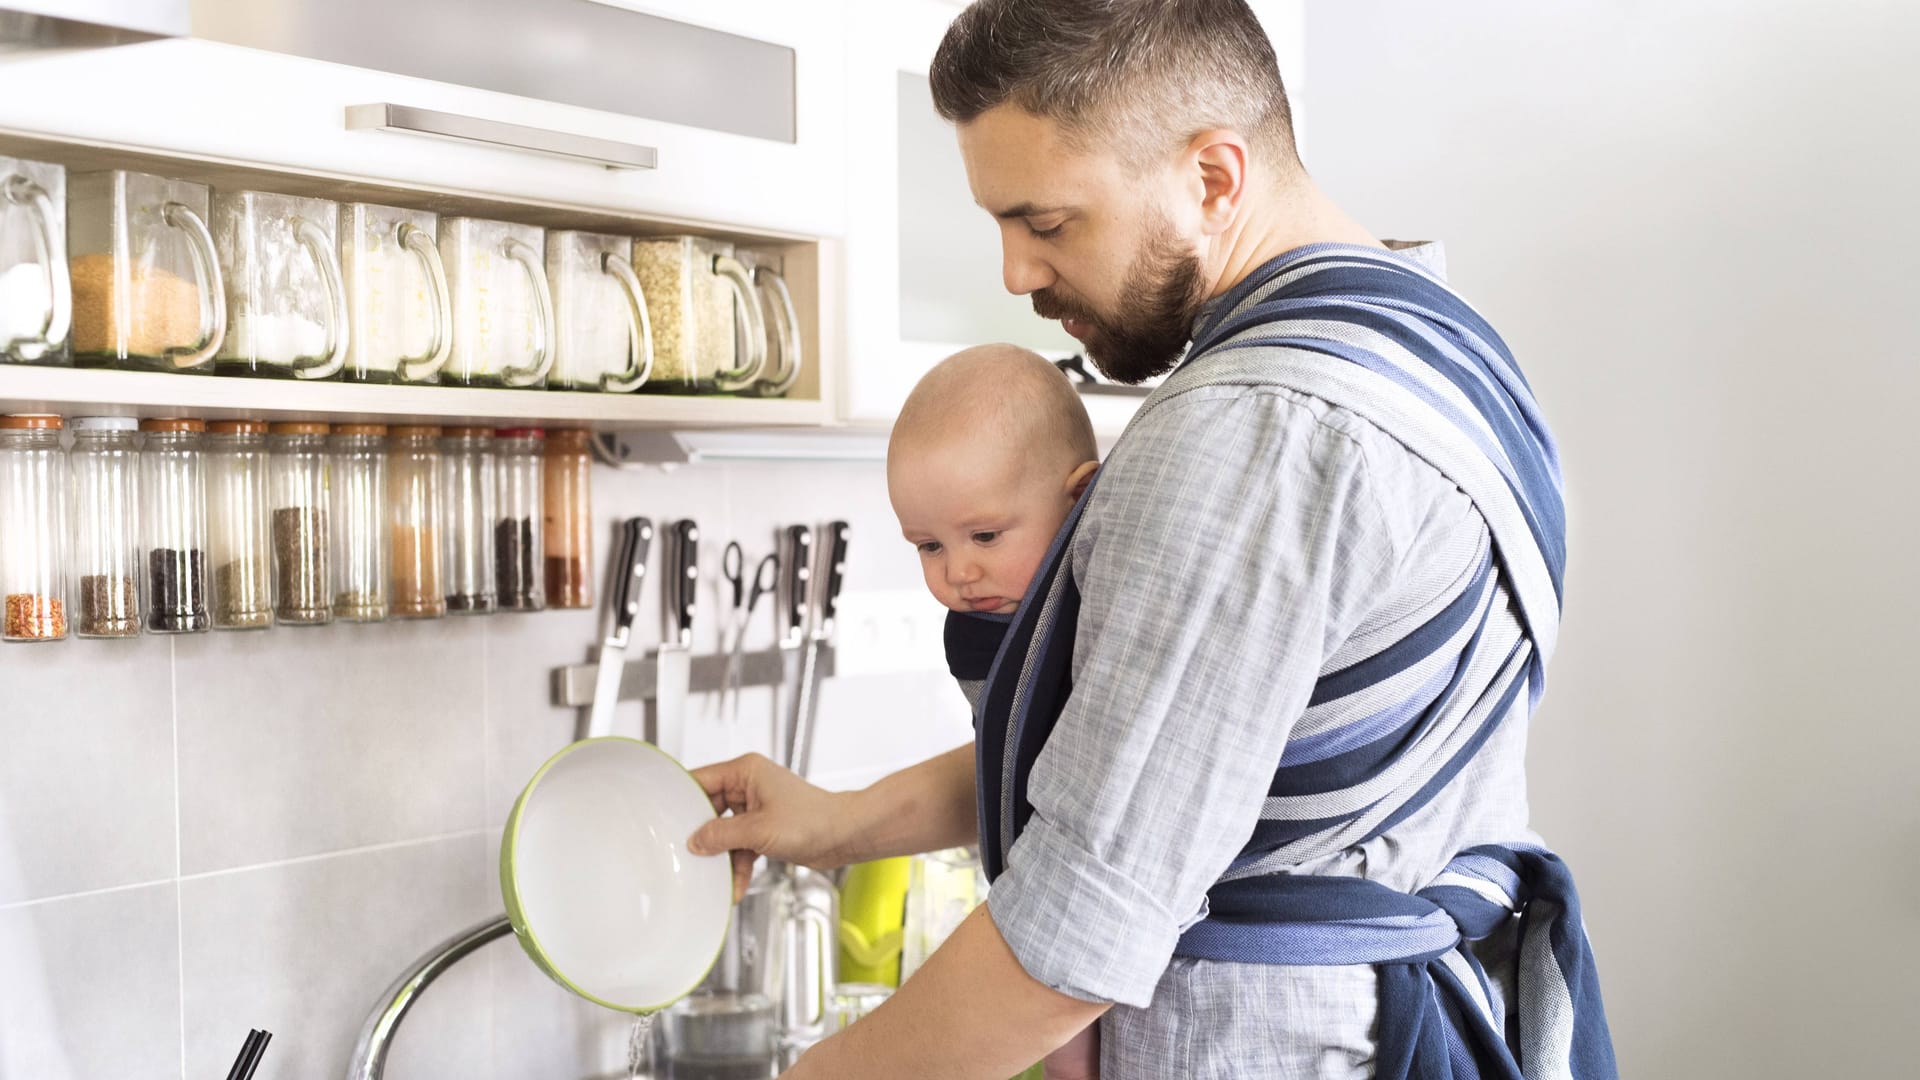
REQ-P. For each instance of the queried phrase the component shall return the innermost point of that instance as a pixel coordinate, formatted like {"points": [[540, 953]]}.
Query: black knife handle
{"points": [[686, 580], [796, 570], [636, 540], [834, 552]]}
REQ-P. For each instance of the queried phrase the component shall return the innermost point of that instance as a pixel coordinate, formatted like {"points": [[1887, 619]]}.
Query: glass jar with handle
{"points": [[695, 291], [33, 528], [782, 321], [105, 463], [36, 299], [173, 514], [604, 337], [148, 293], [399, 315], [503, 327], [286, 302], [239, 536]]}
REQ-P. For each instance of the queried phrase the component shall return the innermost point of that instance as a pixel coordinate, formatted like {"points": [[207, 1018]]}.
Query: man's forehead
{"points": [[1019, 165]]}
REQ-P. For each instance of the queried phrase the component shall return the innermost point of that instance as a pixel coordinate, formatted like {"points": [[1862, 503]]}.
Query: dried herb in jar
{"points": [[242, 596], [33, 617], [513, 578], [177, 590], [300, 580], [109, 606]]}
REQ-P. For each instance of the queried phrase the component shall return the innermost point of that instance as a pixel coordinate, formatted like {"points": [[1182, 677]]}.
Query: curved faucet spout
{"points": [[370, 1053]]}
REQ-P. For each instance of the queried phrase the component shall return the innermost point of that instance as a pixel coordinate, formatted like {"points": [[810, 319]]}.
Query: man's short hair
{"points": [[1139, 77]]}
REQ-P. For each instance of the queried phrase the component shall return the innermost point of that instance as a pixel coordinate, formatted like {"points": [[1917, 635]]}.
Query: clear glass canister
{"points": [[299, 494], [418, 589], [147, 290], [239, 536], [35, 299], [173, 513], [398, 311], [33, 528], [106, 526], [695, 290], [503, 323], [468, 468], [782, 322], [520, 569], [604, 337], [286, 303], [360, 550], [567, 526]]}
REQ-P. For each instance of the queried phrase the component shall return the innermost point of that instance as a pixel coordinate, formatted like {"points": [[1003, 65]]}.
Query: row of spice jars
{"points": [[170, 275], [299, 524]]}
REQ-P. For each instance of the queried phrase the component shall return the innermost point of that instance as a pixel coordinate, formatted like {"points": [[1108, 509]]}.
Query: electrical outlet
{"points": [[889, 630]]}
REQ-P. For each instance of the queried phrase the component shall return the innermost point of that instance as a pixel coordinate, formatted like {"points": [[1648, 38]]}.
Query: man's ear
{"points": [[1080, 477], [1218, 160]]}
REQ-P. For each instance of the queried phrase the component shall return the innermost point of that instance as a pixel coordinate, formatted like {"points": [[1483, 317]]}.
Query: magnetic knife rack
{"points": [[573, 684]]}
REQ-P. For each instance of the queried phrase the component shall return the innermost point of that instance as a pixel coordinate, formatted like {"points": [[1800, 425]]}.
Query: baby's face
{"points": [[981, 521]]}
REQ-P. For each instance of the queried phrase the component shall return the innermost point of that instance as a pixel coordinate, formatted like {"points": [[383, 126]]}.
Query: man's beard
{"points": [[1159, 300]]}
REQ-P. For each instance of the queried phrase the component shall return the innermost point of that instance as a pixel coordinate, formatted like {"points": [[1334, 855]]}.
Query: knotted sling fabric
{"points": [[1370, 332]]}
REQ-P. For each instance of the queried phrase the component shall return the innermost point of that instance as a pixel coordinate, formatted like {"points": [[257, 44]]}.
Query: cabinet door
{"points": [[219, 101], [923, 261]]}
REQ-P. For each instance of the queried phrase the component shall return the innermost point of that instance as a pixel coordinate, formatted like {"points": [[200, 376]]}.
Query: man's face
{"points": [[1097, 245]]}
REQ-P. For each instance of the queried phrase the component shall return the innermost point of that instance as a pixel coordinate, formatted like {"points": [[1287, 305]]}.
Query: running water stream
{"points": [[639, 1048]]}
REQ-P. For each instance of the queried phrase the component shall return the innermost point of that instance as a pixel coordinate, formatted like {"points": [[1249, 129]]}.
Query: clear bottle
{"points": [[360, 549], [418, 589], [33, 528], [519, 568], [298, 493], [239, 537], [106, 526], [173, 513], [567, 528], [468, 483]]}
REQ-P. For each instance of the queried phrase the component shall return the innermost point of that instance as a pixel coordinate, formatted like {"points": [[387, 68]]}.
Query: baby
{"points": [[989, 454]]}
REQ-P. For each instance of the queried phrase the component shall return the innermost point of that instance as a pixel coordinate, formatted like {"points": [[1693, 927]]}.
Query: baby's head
{"points": [[989, 454]]}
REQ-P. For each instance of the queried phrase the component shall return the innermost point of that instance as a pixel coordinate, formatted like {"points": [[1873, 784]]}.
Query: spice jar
{"points": [[567, 526], [298, 493], [173, 514], [413, 502], [238, 530], [36, 303], [604, 338], [33, 528], [695, 290], [147, 289], [519, 568], [359, 482], [468, 483], [106, 526], [398, 310], [286, 303], [782, 323], [502, 307]]}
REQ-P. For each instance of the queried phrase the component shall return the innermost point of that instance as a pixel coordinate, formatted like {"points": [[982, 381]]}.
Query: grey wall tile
{"points": [[302, 741], [90, 987], [304, 949], [542, 1030], [86, 782]]}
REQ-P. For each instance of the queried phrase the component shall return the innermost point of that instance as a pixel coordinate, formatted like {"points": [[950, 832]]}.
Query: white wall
{"points": [[1694, 223]]}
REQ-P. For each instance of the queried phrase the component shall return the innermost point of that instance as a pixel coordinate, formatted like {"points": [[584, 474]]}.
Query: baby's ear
{"points": [[1080, 477]]}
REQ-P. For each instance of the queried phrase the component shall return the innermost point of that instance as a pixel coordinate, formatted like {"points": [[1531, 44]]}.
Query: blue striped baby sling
{"points": [[1372, 332]]}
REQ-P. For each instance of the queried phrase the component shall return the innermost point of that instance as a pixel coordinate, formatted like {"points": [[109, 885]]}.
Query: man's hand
{"points": [[774, 813]]}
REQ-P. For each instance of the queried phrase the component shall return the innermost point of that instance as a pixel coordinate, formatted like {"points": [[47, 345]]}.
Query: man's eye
{"points": [[1045, 234], [985, 537], [929, 547]]}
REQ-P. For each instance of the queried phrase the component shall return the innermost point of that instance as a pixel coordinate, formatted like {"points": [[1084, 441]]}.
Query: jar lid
{"points": [[31, 422], [468, 432], [359, 429], [238, 427], [104, 423], [522, 433], [414, 431], [299, 427], [173, 424], [568, 438]]}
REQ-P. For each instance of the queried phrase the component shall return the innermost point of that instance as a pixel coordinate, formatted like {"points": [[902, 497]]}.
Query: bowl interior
{"points": [[611, 900]]}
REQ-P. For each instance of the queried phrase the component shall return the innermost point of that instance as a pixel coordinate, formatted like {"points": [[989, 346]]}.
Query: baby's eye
{"points": [[929, 547], [985, 537]]}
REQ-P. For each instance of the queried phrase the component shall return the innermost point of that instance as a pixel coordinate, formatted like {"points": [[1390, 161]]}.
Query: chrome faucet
{"points": [[370, 1053]]}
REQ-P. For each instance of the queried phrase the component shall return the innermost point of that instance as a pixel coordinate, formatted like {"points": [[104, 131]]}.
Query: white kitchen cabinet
{"points": [[923, 266]]}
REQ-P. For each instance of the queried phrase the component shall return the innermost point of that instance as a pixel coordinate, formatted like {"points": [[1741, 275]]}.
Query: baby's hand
{"points": [[1079, 1059]]}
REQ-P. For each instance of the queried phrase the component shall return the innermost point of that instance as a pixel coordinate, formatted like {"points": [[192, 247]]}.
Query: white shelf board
{"points": [[81, 392]]}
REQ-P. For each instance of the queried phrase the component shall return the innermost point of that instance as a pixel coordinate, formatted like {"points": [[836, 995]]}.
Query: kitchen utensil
{"points": [[873, 906], [944, 888], [811, 967], [853, 1000], [765, 580], [790, 630], [599, 885], [675, 658], [831, 547], [36, 301], [718, 1035], [636, 539]]}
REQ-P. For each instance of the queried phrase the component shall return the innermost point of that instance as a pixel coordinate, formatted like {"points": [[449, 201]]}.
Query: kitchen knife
{"points": [[636, 540], [832, 548], [790, 631], [681, 567]]}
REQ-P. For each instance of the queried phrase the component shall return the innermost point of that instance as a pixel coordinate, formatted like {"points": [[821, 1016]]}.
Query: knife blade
{"points": [[790, 632], [636, 541], [681, 566], [832, 548]]}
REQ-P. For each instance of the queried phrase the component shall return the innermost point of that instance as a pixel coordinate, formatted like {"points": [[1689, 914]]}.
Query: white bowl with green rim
{"points": [[600, 887]]}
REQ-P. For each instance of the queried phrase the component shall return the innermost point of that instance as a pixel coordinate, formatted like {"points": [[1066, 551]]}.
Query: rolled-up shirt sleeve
{"points": [[1233, 541]]}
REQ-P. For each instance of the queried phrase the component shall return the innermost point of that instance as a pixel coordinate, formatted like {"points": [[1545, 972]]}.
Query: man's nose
{"points": [[1023, 272]]}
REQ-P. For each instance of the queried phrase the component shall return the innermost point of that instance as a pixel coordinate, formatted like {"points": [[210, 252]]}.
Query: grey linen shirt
{"points": [[1238, 538]]}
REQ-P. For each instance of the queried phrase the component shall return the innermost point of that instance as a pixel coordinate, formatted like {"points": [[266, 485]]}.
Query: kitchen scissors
{"points": [[746, 597]]}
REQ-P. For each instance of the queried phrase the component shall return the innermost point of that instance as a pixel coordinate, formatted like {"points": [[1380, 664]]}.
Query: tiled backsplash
{"points": [[205, 834]]}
